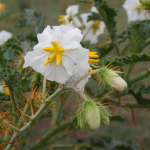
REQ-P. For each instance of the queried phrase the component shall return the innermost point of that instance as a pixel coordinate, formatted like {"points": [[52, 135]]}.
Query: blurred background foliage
{"points": [[126, 128]]}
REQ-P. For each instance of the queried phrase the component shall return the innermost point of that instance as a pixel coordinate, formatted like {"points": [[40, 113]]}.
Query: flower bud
{"points": [[112, 79], [104, 115], [92, 115], [89, 115], [104, 119]]}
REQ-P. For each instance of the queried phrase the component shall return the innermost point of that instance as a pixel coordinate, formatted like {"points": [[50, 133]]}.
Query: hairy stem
{"points": [[44, 89], [11, 126], [91, 72], [34, 118], [139, 77], [52, 132], [24, 111], [129, 105], [68, 146]]}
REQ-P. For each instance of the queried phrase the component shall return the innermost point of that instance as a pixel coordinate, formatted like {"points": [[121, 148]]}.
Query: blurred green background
{"points": [[52, 9]]}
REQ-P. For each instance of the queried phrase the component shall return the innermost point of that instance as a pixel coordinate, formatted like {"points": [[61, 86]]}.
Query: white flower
{"points": [[4, 90], [116, 82], [4, 36], [93, 28], [58, 55], [134, 12], [71, 13]]}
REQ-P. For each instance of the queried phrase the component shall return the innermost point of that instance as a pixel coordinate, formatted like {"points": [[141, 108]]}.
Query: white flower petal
{"points": [[4, 36], [46, 35], [72, 10], [68, 37], [77, 22], [94, 9]]}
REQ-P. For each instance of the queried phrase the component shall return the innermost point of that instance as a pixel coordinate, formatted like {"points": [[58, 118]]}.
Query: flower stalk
{"points": [[34, 119], [11, 126]]}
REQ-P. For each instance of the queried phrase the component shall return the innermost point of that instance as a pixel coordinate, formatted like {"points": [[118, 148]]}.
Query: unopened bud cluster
{"points": [[92, 114]]}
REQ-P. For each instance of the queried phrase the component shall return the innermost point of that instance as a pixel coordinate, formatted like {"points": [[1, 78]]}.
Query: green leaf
{"points": [[138, 35], [122, 61], [107, 14], [85, 1], [137, 93], [32, 20], [11, 49], [5, 15]]}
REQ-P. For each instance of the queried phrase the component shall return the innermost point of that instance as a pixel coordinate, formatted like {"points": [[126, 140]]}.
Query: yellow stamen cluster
{"points": [[2, 6], [6, 91], [93, 55], [55, 52], [61, 19], [95, 26]]}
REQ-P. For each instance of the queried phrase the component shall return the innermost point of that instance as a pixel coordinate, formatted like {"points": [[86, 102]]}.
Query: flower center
{"points": [[55, 52], [95, 26], [138, 8]]}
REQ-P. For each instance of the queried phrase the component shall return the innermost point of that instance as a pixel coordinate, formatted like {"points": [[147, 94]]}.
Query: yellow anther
{"points": [[6, 91], [93, 56], [61, 50], [55, 45], [62, 19], [2, 6], [92, 53], [58, 59], [50, 58], [90, 69], [93, 61], [49, 49]]}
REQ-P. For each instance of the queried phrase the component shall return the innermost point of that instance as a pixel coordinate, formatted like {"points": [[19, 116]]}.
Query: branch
{"points": [[129, 105], [139, 77], [52, 132], [61, 146], [34, 119]]}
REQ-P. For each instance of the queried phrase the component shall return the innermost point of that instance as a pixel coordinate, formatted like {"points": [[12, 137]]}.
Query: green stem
{"points": [[44, 89], [24, 111], [52, 132], [129, 71], [59, 110], [14, 104], [139, 77], [129, 105], [56, 139], [91, 72], [117, 49], [34, 118], [68, 146], [11, 126]]}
